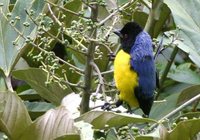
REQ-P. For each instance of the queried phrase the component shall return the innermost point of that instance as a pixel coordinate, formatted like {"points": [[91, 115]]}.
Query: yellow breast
{"points": [[125, 78]]}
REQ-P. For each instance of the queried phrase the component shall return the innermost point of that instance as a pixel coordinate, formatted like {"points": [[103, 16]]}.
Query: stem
{"points": [[167, 68], [194, 99], [8, 83], [84, 106], [195, 105]]}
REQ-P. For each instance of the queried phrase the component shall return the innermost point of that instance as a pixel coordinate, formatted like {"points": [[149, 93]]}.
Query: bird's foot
{"points": [[106, 106], [130, 111], [111, 57], [145, 116]]}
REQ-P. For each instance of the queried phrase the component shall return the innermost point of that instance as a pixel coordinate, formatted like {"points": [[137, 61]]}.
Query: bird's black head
{"points": [[128, 35]]}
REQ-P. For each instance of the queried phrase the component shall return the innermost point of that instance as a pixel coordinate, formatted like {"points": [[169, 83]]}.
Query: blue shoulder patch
{"points": [[142, 62]]}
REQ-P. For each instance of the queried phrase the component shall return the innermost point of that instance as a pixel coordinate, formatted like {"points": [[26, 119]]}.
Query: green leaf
{"points": [[159, 134], [184, 74], [36, 78], [37, 109], [111, 135], [103, 61], [122, 1], [53, 124], [140, 18], [29, 95], [188, 93], [69, 137], [185, 14], [185, 130], [73, 79], [5, 6], [11, 43], [171, 94], [38, 106], [74, 6], [85, 130], [190, 115], [15, 118], [101, 119], [163, 17], [163, 108], [2, 83]]}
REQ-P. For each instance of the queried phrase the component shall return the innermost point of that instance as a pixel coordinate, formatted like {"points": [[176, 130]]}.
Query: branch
{"points": [[84, 107], [153, 15], [168, 66]]}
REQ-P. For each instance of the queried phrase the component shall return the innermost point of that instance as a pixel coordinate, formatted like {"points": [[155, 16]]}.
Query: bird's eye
{"points": [[125, 36]]}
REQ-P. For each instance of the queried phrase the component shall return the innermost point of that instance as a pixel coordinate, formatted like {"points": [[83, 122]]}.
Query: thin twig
{"points": [[98, 89], [66, 10], [107, 72], [110, 29], [101, 82], [63, 81], [99, 42], [117, 10], [98, 72], [52, 14]]}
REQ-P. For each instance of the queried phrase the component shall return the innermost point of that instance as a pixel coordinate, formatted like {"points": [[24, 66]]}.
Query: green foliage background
{"points": [[56, 54]]}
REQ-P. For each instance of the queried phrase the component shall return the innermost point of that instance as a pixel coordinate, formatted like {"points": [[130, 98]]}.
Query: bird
{"points": [[134, 68]]}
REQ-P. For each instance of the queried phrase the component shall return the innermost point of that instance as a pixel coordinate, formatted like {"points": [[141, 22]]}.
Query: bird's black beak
{"points": [[117, 32]]}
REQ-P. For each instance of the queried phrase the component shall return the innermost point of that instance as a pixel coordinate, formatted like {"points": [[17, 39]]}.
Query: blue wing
{"points": [[142, 62], [146, 72]]}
